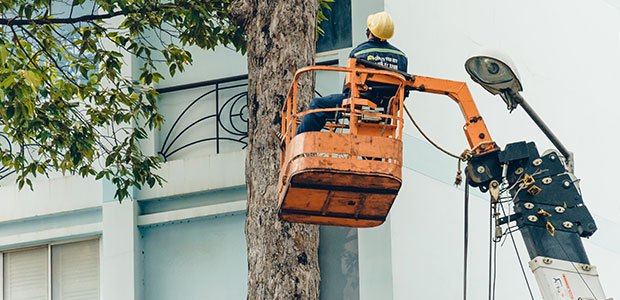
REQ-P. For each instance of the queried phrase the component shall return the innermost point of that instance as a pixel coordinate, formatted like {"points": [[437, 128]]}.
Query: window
{"points": [[25, 274], [72, 267], [337, 27], [338, 262]]}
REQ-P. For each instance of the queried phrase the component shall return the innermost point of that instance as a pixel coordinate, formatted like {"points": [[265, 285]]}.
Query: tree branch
{"points": [[92, 17], [48, 20], [21, 47], [50, 57], [76, 113]]}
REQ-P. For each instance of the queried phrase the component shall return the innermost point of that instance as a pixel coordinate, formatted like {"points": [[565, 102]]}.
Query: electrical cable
{"points": [[494, 268], [514, 244], [492, 283], [465, 237], [576, 270], [465, 156]]}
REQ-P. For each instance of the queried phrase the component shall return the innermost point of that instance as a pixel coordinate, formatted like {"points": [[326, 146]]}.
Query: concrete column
{"points": [[120, 269]]}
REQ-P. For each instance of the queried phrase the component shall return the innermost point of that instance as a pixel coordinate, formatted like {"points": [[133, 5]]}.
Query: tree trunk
{"points": [[282, 257]]}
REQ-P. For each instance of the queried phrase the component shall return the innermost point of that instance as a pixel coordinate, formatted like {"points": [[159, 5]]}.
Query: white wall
{"points": [[48, 196], [568, 57], [202, 259], [209, 65], [427, 249]]}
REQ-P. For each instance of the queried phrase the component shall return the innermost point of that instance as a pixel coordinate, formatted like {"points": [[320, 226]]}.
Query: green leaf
{"points": [[172, 69], [32, 79], [4, 53], [9, 81]]}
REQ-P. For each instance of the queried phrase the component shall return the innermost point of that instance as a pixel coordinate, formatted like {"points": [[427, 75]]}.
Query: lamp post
{"points": [[496, 76]]}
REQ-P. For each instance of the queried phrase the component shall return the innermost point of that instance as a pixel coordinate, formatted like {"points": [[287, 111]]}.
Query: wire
{"points": [[493, 241], [575, 267], [494, 268], [514, 244], [427, 138], [491, 231], [465, 238]]}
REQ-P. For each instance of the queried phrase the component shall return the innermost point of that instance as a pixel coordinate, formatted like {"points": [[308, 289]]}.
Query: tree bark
{"points": [[282, 257]]}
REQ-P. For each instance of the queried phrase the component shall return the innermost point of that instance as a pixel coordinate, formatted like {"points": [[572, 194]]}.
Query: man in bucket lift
{"points": [[376, 50]]}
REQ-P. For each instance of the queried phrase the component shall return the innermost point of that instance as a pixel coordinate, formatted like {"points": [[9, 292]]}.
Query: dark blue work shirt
{"points": [[382, 53]]}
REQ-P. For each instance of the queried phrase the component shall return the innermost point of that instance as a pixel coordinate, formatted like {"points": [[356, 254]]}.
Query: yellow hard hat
{"points": [[381, 25]]}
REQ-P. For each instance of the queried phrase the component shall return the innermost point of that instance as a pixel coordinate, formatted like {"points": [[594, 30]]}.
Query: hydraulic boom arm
{"points": [[475, 129], [548, 205]]}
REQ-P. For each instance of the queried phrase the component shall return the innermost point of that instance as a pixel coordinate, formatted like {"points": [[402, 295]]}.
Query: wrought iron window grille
{"points": [[232, 109]]}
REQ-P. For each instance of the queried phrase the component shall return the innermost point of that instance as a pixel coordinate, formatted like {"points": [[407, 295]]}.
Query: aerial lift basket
{"points": [[351, 174]]}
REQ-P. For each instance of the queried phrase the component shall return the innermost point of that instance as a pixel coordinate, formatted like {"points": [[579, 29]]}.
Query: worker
{"points": [[376, 49]]}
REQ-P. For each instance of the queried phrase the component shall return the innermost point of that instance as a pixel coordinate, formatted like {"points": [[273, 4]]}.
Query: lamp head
{"points": [[496, 75]]}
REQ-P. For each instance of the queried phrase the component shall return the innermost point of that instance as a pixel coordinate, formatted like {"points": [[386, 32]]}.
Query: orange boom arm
{"points": [[475, 129]]}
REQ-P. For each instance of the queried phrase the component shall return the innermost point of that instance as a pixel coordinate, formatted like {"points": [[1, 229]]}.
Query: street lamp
{"points": [[496, 74]]}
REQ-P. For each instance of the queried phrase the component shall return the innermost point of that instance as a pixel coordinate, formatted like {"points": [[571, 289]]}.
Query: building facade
{"points": [[69, 239]]}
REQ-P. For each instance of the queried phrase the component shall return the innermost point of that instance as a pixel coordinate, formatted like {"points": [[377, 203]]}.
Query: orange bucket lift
{"points": [[350, 175]]}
